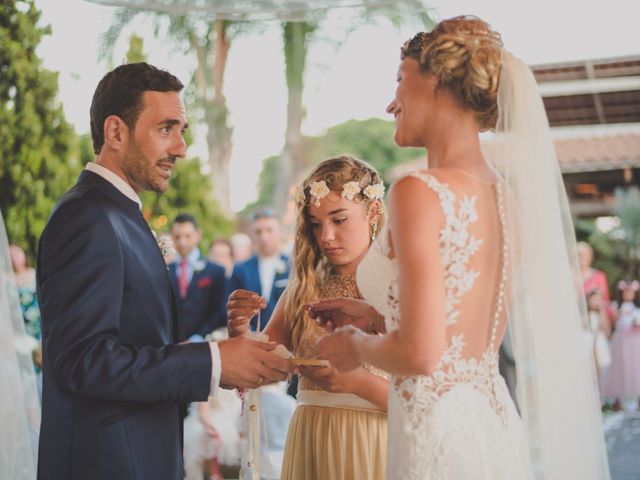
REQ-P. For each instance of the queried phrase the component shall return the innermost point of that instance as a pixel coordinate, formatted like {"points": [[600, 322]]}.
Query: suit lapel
{"points": [[254, 271], [277, 290]]}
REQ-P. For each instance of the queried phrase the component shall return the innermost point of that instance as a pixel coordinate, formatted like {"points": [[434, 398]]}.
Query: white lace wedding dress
{"points": [[459, 422]]}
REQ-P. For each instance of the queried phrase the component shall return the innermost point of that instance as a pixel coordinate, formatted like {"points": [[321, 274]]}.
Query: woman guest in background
{"points": [[592, 278], [26, 283], [339, 429]]}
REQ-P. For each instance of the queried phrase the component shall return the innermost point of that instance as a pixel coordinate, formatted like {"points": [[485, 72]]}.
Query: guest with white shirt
{"points": [[114, 375]]}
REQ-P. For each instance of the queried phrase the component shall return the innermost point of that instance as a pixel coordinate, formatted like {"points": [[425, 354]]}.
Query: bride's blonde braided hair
{"points": [[465, 56]]}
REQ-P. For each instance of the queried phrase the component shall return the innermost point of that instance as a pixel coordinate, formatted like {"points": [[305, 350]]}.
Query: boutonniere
{"points": [[204, 282], [281, 267], [165, 244], [199, 266]]}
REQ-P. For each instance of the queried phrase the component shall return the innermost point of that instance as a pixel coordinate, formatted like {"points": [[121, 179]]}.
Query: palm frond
{"points": [[122, 17]]}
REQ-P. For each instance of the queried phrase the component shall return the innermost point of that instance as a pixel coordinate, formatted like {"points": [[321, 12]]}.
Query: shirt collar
{"points": [[192, 257], [122, 186]]}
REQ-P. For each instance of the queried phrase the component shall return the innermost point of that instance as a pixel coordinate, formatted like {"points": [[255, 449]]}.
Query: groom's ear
{"points": [[116, 132]]}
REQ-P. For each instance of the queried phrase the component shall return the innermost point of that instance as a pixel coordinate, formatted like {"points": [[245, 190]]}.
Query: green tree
{"points": [[627, 209], [39, 154], [297, 39], [136, 54], [371, 140]]}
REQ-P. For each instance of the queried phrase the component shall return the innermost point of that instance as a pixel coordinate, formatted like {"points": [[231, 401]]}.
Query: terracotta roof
{"points": [[598, 153]]}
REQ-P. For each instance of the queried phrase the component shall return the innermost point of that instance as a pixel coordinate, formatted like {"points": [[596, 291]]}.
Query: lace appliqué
{"points": [[452, 370], [418, 394], [457, 245]]}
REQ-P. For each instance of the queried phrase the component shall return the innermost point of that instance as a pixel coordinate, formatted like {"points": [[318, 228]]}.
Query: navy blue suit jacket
{"points": [[113, 379], [246, 276], [203, 309]]}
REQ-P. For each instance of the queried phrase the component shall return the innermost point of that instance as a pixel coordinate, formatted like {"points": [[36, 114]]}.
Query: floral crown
{"points": [[319, 190]]}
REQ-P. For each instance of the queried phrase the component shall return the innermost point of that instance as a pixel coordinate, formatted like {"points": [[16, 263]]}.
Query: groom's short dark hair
{"points": [[120, 93]]}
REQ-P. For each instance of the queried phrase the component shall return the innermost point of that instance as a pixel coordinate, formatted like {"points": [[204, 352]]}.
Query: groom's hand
{"points": [[249, 364]]}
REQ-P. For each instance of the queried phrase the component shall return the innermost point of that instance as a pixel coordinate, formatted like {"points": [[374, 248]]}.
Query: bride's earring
{"points": [[374, 230]]}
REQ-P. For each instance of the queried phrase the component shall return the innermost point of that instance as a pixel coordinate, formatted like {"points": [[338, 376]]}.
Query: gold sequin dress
{"points": [[332, 436]]}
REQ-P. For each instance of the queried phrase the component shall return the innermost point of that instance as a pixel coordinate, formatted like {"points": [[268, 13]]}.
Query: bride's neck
{"points": [[454, 144]]}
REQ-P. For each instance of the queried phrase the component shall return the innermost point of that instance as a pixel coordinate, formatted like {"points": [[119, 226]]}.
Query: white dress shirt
{"points": [[267, 267], [128, 191]]}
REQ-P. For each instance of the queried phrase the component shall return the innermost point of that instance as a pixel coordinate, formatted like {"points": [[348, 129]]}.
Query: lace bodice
{"points": [[377, 279]]}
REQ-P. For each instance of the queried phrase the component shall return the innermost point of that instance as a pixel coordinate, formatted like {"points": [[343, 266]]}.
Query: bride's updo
{"points": [[464, 54]]}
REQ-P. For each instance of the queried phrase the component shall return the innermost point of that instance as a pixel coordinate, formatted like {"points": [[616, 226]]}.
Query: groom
{"points": [[114, 377]]}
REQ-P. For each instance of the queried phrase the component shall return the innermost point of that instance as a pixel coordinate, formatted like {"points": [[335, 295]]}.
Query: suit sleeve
{"points": [[81, 275]]}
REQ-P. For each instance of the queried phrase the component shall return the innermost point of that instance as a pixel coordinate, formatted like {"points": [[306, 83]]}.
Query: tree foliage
{"points": [[616, 252], [627, 209], [39, 153], [371, 140]]}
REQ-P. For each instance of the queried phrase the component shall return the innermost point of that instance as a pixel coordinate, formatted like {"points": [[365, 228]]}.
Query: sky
{"points": [[353, 79]]}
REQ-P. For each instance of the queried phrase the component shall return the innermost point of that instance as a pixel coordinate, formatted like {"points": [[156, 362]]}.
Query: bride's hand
{"points": [[338, 312], [242, 306], [330, 379], [341, 348]]}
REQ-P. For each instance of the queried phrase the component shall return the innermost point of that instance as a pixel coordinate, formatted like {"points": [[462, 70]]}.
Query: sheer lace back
{"points": [[473, 249]]}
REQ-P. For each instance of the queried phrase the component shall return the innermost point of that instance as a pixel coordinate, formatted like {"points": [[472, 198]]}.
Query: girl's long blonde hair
{"points": [[310, 267]]}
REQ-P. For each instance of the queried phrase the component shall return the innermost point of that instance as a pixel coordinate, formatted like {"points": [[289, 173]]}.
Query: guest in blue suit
{"points": [[114, 375], [267, 272], [199, 283]]}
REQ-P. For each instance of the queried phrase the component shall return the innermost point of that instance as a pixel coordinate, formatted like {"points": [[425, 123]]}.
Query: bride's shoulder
{"points": [[432, 182], [416, 191]]}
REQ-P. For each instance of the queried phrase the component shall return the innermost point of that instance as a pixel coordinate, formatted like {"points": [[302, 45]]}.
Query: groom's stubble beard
{"points": [[143, 173]]}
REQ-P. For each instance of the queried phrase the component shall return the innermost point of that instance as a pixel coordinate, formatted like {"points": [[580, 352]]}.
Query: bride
{"points": [[469, 247]]}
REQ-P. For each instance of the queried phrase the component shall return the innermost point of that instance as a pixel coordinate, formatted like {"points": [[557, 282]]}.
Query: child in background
{"points": [[623, 377]]}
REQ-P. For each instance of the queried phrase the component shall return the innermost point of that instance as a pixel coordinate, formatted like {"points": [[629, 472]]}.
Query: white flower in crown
{"points": [[350, 190], [375, 192], [297, 192], [319, 190]]}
